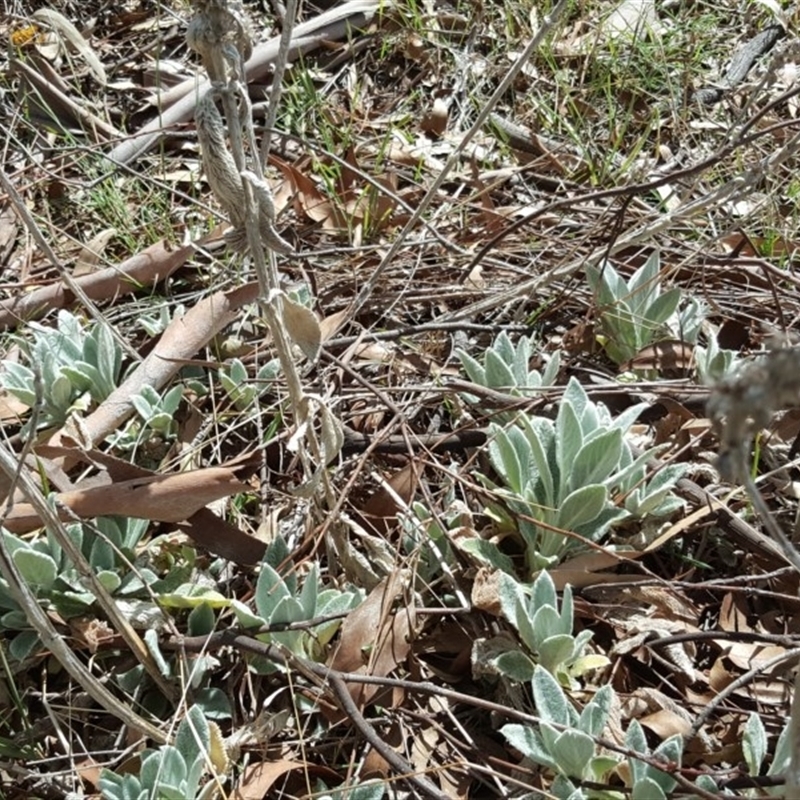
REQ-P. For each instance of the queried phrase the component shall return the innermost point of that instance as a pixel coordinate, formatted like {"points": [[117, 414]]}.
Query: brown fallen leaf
{"points": [[90, 253], [144, 269], [375, 638], [162, 498], [222, 538], [670, 358], [205, 528], [308, 199], [379, 514], [258, 779]]}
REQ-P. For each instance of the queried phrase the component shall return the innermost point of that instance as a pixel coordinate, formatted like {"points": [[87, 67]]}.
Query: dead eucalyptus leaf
{"points": [[379, 514], [670, 357], [143, 269], [375, 636], [332, 324], [331, 432], [302, 326], [162, 498]]}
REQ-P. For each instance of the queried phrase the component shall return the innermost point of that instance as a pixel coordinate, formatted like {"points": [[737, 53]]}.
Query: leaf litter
{"points": [[695, 618]]}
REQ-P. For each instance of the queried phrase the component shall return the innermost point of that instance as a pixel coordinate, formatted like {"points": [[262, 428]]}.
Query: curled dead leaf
{"points": [[302, 326]]}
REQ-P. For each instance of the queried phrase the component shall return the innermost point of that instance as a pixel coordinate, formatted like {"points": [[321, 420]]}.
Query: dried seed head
{"points": [[219, 24], [742, 405]]}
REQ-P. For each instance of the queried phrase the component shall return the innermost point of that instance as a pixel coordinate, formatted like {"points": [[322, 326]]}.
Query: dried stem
{"points": [[277, 78], [219, 34]]}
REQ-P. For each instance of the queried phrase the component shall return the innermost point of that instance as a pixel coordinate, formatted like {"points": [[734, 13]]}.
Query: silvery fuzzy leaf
{"points": [[309, 593], [644, 283], [647, 789], [582, 507], [551, 702], [596, 460], [661, 309], [595, 713], [754, 743], [270, 591], [635, 740], [505, 459], [545, 624], [514, 664], [556, 651], [472, 367], [569, 440], [540, 435], [529, 742], [573, 750], [498, 373], [669, 751], [543, 592]]}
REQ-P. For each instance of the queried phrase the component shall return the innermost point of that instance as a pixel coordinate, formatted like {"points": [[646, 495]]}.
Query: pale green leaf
{"points": [[551, 702], [555, 651], [596, 459], [38, 569], [572, 751], [529, 743], [515, 665], [647, 789], [581, 507]]}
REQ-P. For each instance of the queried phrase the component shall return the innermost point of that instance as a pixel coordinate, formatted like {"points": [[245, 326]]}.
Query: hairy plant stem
{"points": [[218, 34]]}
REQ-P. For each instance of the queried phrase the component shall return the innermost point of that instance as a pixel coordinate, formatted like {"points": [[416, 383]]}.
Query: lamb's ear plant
{"points": [[77, 366], [649, 782], [634, 313], [175, 771], [45, 566], [506, 368], [279, 601], [572, 755], [564, 743], [714, 363], [568, 481], [241, 390], [157, 411], [155, 417], [545, 631]]}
